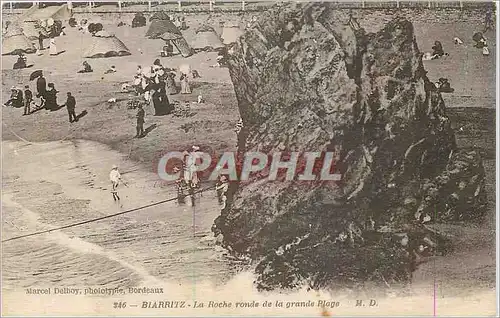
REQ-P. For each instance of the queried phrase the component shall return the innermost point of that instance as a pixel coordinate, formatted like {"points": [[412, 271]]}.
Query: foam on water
{"points": [[154, 247]]}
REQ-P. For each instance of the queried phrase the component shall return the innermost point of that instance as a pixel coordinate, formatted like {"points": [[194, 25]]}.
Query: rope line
{"points": [[102, 217]]}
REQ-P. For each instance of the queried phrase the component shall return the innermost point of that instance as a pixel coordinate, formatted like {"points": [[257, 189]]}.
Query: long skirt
{"points": [[53, 49], [171, 88], [161, 103], [185, 88]]}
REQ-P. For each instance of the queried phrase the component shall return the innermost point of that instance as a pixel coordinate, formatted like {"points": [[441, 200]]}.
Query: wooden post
{"points": [[70, 5], [90, 6], [397, 4], [363, 3], [211, 5], [149, 6], [242, 5], [429, 5], [120, 6], [180, 6], [461, 5]]}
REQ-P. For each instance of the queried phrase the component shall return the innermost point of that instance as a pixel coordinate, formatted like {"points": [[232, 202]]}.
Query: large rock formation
{"points": [[308, 79]]}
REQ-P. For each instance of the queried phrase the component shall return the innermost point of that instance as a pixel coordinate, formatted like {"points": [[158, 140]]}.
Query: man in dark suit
{"points": [[41, 88], [140, 121], [70, 105], [28, 98]]}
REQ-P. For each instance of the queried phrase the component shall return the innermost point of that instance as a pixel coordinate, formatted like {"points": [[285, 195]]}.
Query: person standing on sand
{"points": [[488, 21], [40, 41], [53, 47], [170, 82], [185, 89], [41, 89], [70, 105], [190, 167], [28, 99], [140, 122], [115, 177]]}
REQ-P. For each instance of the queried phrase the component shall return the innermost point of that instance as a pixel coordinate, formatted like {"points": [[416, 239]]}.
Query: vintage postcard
{"points": [[249, 158]]}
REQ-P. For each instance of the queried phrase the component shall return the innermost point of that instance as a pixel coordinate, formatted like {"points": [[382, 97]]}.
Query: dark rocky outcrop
{"points": [[306, 79]]}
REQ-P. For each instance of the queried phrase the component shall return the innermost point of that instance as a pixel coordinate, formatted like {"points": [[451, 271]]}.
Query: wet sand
{"points": [[59, 183]]}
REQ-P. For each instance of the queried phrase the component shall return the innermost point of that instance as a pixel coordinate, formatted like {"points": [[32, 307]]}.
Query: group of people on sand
{"points": [[188, 177], [152, 85], [48, 98], [155, 83], [188, 174], [478, 38], [52, 44]]}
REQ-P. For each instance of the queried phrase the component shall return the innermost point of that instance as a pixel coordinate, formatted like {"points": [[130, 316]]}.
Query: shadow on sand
{"points": [[148, 130], [82, 114], [60, 52]]}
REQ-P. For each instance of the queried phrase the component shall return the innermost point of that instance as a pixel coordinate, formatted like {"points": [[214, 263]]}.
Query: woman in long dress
{"points": [[51, 98], [166, 107], [53, 48], [185, 89], [170, 81], [160, 100]]}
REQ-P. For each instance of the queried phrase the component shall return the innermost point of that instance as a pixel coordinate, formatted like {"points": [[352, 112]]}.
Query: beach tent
{"points": [[35, 20], [15, 42], [163, 28], [106, 45], [231, 34], [206, 40], [60, 13]]}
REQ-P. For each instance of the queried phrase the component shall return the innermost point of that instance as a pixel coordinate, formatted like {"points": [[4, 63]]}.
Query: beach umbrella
{"points": [[36, 74]]}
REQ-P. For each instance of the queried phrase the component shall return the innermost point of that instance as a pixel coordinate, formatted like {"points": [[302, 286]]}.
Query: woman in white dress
{"points": [[53, 48], [185, 88]]}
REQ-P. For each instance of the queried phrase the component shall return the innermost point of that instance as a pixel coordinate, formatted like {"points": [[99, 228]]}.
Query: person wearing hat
{"points": [[16, 98], [70, 105], [51, 97], [115, 178], [140, 121], [190, 173], [185, 87], [40, 40], [28, 99], [41, 88]]}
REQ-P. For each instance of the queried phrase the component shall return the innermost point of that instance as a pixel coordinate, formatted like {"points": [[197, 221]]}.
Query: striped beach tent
{"points": [[163, 28]]}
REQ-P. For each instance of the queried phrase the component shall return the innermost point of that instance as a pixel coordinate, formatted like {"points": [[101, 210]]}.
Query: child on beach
{"points": [[115, 178]]}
